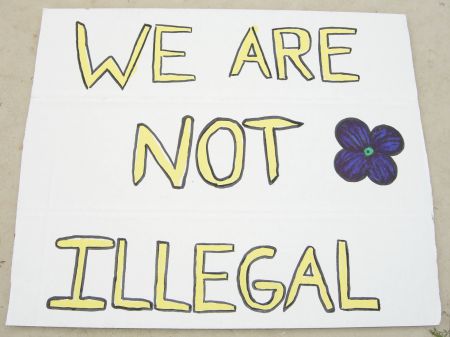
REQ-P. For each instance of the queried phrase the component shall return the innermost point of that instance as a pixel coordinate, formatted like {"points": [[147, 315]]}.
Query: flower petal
{"points": [[351, 166], [382, 169], [387, 140], [353, 134]]}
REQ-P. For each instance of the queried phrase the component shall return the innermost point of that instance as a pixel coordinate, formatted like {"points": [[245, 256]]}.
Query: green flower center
{"points": [[368, 151]]}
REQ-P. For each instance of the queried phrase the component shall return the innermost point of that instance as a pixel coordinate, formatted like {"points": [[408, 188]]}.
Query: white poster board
{"points": [[277, 155]]}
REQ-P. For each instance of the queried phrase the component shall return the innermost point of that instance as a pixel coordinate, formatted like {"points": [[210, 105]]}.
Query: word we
{"points": [[307, 273], [249, 51], [147, 141]]}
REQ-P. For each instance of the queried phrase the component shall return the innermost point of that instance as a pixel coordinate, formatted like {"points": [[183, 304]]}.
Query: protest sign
{"points": [[223, 169]]}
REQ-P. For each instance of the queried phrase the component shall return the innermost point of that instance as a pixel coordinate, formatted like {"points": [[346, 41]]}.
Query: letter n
{"points": [[176, 170]]}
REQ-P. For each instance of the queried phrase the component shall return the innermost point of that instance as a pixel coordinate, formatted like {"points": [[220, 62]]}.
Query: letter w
{"points": [[147, 140], [90, 75]]}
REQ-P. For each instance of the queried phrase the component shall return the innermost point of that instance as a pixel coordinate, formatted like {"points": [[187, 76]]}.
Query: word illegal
{"points": [[306, 273]]}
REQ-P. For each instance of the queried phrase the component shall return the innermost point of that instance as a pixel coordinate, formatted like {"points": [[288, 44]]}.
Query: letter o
{"points": [[203, 163]]}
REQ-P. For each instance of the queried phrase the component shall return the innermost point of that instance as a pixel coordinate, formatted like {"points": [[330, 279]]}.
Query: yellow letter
{"points": [[269, 125], [200, 305], [91, 76], [345, 301], [292, 53], [159, 53], [326, 52], [75, 301], [277, 288], [203, 164], [161, 303], [118, 300], [308, 273], [146, 139], [250, 44]]}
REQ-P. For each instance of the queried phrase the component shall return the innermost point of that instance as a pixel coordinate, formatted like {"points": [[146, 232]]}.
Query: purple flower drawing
{"points": [[367, 153]]}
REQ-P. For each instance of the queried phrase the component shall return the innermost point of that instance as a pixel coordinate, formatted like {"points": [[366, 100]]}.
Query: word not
{"points": [[306, 273], [176, 170], [249, 51]]}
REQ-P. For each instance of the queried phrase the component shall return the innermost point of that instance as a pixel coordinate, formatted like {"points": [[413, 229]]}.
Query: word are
{"points": [[306, 273], [175, 170], [249, 51]]}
